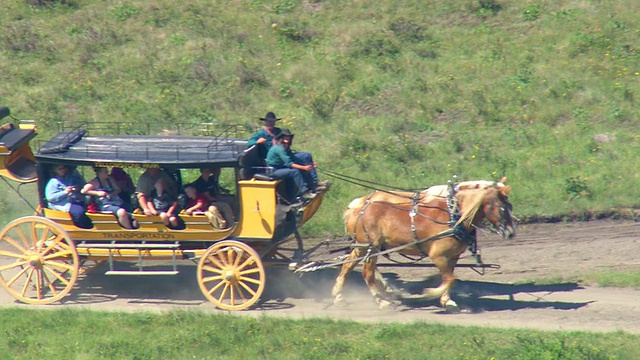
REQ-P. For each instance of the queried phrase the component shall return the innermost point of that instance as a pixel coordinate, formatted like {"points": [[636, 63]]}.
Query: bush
{"points": [[575, 187]]}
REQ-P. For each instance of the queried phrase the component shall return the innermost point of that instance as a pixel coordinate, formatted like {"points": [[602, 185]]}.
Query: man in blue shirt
{"points": [[286, 167], [266, 138]]}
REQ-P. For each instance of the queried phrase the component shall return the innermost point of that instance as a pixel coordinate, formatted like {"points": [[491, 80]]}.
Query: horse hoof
{"points": [[339, 301], [394, 294], [451, 307], [383, 304]]}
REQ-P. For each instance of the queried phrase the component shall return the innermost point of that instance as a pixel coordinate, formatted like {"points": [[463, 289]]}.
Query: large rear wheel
{"points": [[231, 275], [38, 260]]}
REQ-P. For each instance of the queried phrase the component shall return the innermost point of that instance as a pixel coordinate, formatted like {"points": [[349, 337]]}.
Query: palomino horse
{"points": [[438, 228]]}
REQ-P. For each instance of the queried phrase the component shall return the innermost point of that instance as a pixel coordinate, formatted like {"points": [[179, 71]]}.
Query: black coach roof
{"points": [[77, 147]]}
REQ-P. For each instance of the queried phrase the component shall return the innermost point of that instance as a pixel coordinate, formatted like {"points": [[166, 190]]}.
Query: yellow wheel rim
{"points": [[38, 260], [231, 275]]}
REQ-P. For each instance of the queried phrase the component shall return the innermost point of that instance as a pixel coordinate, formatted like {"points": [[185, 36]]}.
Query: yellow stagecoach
{"points": [[41, 256]]}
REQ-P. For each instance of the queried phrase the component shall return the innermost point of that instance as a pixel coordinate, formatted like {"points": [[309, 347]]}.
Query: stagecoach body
{"points": [[43, 255]]}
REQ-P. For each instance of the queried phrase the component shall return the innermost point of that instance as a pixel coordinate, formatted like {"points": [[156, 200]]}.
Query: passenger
{"points": [[146, 183], [208, 185], [124, 182], [107, 196], [63, 193], [266, 138], [198, 202], [281, 159], [163, 203]]}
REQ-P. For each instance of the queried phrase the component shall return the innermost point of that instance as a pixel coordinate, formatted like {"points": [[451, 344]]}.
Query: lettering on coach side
{"points": [[138, 236], [126, 165]]}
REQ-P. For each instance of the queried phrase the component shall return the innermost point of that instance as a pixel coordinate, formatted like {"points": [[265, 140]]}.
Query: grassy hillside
{"points": [[406, 93]]}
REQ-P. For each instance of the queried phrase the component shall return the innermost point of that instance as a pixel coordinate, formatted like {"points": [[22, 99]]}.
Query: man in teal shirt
{"points": [[266, 136], [265, 139], [285, 167]]}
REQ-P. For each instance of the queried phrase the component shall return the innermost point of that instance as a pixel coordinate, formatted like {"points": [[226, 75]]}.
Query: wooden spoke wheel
{"points": [[231, 275], [38, 260]]}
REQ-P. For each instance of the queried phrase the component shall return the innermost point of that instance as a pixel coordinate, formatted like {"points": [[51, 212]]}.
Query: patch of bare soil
{"points": [[499, 298]]}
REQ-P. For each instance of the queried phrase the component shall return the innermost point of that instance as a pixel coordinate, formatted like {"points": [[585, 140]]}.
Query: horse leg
{"points": [[389, 290], [338, 298], [445, 265], [369, 274]]}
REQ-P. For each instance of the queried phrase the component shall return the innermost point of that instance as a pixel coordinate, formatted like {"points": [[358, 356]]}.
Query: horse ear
{"points": [[503, 179], [506, 190]]}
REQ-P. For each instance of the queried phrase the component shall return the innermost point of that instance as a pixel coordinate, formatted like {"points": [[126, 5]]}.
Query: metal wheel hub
{"points": [[35, 261], [231, 276]]}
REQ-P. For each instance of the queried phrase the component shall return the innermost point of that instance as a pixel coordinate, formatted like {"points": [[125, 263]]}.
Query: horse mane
{"points": [[472, 200], [443, 190], [430, 193]]}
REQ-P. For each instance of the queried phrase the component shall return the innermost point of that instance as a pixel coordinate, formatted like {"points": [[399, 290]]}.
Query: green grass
{"points": [[405, 93], [80, 334]]}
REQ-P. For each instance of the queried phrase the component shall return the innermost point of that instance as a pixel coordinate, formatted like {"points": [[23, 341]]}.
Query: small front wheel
{"points": [[38, 260], [231, 275]]}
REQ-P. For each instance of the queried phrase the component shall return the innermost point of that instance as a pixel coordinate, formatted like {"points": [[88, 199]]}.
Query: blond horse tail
{"points": [[348, 214], [354, 206]]}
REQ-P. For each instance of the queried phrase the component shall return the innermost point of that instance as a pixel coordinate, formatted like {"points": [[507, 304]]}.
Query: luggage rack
{"points": [[77, 143]]}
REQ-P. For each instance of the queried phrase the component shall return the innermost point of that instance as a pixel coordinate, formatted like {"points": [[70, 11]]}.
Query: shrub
{"points": [[298, 32], [247, 76], [20, 37], [124, 11], [51, 3], [531, 12], [375, 45], [575, 187], [322, 104], [408, 30]]}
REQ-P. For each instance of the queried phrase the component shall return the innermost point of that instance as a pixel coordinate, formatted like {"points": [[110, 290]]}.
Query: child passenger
{"points": [[163, 203], [198, 202]]}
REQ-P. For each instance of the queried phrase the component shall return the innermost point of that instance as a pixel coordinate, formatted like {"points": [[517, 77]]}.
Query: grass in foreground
{"points": [[609, 278], [66, 334]]}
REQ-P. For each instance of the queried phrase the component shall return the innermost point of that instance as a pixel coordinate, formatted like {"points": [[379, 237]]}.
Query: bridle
{"points": [[505, 215]]}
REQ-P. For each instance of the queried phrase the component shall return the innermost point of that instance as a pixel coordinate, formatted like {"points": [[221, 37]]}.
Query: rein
{"points": [[456, 221], [366, 183]]}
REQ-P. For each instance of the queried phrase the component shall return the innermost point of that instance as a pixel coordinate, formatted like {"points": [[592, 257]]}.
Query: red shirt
{"points": [[200, 200]]}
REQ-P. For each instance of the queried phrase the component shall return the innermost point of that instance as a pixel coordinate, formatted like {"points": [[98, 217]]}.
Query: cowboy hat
{"points": [[283, 133], [270, 116]]}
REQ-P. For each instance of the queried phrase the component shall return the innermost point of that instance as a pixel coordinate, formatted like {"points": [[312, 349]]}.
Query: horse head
{"points": [[490, 203], [498, 211]]}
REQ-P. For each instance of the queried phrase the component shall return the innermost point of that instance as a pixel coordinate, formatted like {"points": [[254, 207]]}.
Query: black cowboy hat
{"points": [[283, 133], [270, 116]]}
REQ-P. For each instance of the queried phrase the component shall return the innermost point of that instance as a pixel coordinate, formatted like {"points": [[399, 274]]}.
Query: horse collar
{"points": [[458, 230]]}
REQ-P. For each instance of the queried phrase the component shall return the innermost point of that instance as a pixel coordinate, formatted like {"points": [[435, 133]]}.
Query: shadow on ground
{"points": [[282, 286], [481, 296]]}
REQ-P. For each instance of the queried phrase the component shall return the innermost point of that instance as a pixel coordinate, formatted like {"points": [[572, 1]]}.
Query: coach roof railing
{"points": [[220, 144]]}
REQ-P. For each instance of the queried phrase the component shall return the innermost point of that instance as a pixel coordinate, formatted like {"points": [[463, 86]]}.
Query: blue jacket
{"points": [[55, 191]]}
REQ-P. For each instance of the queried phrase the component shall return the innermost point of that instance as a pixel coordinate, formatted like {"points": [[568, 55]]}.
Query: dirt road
{"points": [[500, 298]]}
